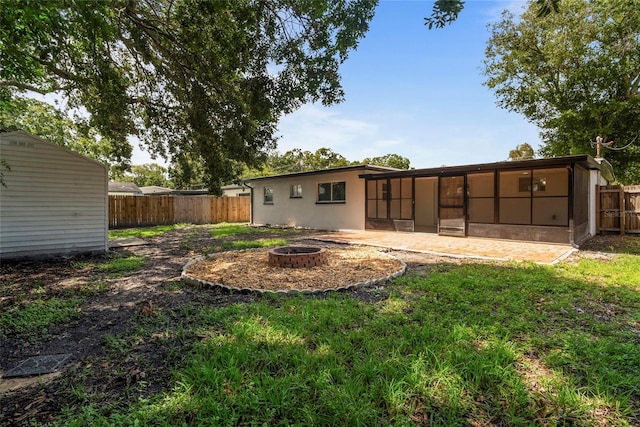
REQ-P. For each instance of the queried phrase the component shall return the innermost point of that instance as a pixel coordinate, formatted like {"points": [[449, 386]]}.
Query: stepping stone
{"points": [[37, 365], [125, 242]]}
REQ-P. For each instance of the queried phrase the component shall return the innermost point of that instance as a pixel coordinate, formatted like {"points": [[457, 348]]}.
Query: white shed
{"points": [[53, 202]]}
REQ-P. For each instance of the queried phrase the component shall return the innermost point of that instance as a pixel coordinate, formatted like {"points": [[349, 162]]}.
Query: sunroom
{"points": [[550, 200]]}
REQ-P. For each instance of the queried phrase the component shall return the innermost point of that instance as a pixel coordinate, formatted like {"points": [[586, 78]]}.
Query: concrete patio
{"points": [[461, 247]]}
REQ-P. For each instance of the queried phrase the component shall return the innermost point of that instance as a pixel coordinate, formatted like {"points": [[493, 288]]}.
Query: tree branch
{"points": [[25, 86]]}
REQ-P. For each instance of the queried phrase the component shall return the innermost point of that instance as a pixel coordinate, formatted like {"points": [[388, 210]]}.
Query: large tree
{"points": [[202, 81], [575, 74]]}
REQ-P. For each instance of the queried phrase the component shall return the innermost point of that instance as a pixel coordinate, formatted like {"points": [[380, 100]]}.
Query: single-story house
{"points": [[124, 189], [550, 200], [53, 202], [330, 199], [235, 190]]}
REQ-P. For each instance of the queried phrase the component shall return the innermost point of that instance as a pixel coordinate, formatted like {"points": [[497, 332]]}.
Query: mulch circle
{"points": [[249, 270]]}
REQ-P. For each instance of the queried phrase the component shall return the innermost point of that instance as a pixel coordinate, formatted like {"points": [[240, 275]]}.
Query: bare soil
{"points": [[155, 287]]}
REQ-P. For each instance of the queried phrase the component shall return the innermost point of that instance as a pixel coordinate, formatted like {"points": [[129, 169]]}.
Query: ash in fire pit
{"points": [[297, 256]]}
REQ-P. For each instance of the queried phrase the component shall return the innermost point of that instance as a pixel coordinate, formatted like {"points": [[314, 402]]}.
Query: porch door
{"points": [[451, 208]]}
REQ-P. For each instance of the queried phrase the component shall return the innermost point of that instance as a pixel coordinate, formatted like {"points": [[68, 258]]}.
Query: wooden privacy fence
{"points": [[134, 211], [619, 208]]}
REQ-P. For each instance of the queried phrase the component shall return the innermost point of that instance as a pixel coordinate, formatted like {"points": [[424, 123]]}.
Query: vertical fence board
{"points": [[134, 211], [619, 208], [632, 208]]}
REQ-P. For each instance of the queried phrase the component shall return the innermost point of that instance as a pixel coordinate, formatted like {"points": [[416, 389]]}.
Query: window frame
{"points": [[268, 191], [331, 200], [295, 191]]}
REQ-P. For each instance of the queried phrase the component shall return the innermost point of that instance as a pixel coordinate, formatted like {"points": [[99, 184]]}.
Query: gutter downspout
{"points": [[250, 202]]}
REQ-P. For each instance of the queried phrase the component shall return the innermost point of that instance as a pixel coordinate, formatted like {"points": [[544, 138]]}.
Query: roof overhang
{"points": [[583, 160], [606, 169], [364, 168]]}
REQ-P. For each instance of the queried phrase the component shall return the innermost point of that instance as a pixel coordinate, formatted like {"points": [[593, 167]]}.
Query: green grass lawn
{"points": [[144, 232], [470, 344], [231, 230], [38, 309]]}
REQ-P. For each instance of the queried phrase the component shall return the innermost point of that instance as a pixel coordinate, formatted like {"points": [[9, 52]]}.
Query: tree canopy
{"points": [[148, 174], [445, 12], [389, 160], [298, 160], [575, 74], [48, 122], [193, 80], [522, 152]]}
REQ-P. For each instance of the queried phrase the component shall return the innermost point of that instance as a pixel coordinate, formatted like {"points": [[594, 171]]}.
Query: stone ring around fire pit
{"points": [[257, 270]]}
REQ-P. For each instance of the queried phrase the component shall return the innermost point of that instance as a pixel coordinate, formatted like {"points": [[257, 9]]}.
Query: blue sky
{"points": [[414, 92]]}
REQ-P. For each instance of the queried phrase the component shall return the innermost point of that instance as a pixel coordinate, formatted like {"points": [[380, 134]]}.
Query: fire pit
{"points": [[297, 256]]}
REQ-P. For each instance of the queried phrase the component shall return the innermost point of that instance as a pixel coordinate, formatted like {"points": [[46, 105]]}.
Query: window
{"points": [[524, 184], [296, 191], [268, 195], [332, 192], [539, 184]]}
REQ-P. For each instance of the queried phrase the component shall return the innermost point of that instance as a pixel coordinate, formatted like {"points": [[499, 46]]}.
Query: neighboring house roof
{"points": [[200, 192], [124, 187], [331, 170], [234, 187], [156, 190]]}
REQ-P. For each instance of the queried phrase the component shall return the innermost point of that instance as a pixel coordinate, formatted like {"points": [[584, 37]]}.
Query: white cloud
{"points": [[313, 127], [494, 13]]}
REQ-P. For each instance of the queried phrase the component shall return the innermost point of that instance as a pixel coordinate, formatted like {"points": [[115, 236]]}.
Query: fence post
{"points": [[622, 210]]}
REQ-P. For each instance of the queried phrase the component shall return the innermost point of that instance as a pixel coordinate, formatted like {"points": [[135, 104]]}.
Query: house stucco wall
{"points": [[306, 211], [235, 192], [55, 201]]}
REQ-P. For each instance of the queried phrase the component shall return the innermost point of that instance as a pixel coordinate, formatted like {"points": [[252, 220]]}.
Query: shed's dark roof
{"points": [[583, 160], [331, 170]]}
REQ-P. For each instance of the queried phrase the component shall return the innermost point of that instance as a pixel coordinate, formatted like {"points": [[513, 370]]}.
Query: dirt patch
{"points": [[612, 244], [345, 267]]}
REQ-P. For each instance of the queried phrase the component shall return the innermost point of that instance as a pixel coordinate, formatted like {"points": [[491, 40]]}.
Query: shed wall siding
{"points": [[305, 211], [54, 201]]}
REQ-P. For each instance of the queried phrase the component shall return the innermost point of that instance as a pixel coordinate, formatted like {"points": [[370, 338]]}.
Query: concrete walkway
{"points": [[464, 247]]}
